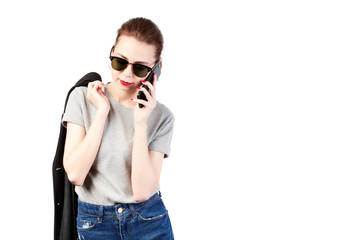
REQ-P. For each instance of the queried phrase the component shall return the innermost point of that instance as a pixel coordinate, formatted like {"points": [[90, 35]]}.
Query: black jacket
{"points": [[65, 198]]}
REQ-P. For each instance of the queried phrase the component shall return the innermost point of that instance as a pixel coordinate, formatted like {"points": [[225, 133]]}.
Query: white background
{"points": [[266, 99]]}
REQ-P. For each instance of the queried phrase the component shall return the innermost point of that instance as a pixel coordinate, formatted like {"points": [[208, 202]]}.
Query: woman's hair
{"points": [[143, 30]]}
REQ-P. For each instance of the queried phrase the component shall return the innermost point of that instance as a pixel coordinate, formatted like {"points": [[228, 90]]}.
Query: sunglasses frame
{"points": [[148, 68]]}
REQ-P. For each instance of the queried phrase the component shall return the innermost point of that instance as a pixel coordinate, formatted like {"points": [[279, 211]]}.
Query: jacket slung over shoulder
{"points": [[65, 198]]}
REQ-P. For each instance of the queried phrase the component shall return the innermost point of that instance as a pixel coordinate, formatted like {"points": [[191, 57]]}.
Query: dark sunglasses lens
{"points": [[119, 64], [140, 70]]}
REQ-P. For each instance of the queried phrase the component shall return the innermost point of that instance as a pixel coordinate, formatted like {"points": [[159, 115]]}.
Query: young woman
{"points": [[114, 149]]}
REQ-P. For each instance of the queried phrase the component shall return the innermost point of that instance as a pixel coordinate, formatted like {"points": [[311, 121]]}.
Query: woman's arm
{"points": [[81, 148], [146, 166]]}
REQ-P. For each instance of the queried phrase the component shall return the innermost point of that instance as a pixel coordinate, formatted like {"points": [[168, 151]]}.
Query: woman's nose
{"points": [[128, 71]]}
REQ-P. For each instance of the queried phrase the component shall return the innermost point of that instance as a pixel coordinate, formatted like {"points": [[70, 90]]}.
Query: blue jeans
{"points": [[146, 220]]}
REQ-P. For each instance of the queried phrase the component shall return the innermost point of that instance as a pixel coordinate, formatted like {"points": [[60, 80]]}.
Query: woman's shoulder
{"points": [[163, 111], [78, 97], [78, 94], [80, 91]]}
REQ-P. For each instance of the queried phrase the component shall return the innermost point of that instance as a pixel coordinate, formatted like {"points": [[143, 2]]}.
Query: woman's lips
{"points": [[126, 83]]}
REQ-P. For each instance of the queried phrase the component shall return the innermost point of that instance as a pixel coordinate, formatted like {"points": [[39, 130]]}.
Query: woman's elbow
{"points": [[142, 192], [76, 182], [75, 179], [141, 197]]}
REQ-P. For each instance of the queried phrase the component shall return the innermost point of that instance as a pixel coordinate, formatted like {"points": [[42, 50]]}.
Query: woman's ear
{"points": [[160, 60]]}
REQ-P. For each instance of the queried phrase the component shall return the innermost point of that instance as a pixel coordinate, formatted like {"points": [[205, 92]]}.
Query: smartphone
{"points": [[150, 79]]}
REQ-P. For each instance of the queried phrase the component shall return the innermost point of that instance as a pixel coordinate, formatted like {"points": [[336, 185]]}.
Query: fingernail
{"points": [[139, 87], [132, 99], [144, 81]]}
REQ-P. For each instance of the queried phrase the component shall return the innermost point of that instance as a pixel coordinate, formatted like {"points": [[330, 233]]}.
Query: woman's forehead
{"points": [[134, 50]]}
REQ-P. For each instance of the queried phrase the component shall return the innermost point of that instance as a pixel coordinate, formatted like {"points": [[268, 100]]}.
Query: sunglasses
{"points": [[120, 64]]}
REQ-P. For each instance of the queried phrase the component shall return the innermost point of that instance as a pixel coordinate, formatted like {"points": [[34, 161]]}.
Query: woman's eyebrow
{"points": [[138, 62]]}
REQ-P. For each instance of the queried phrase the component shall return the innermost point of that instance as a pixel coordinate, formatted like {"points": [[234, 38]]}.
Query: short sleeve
{"points": [[163, 137], [73, 112]]}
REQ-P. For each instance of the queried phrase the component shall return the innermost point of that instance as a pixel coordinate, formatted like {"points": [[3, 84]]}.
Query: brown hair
{"points": [[143, 30]]}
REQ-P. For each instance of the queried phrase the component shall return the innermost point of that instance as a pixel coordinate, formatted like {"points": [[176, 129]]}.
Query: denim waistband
{"points": [[100, 210]]}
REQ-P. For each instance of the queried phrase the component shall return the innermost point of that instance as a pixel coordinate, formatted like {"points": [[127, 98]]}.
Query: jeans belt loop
{"points": [[101, 213], [133, 211]]}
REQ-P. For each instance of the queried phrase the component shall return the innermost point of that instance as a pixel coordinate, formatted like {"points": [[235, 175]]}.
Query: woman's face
{"points": [[133, 51]]}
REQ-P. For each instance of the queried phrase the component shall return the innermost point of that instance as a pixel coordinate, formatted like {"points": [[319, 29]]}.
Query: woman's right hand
{"points": [[96, 96]]}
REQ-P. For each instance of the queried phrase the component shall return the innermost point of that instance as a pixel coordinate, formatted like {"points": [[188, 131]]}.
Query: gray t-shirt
{"points": [[109, 179]]}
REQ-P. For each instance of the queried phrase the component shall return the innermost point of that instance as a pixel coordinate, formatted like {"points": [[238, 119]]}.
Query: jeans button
{"points": [[120, 210]]}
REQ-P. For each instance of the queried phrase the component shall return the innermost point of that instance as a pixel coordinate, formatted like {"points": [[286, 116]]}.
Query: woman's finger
{"points": [[143, 102], [98, 86], [147, 94], [151, 87], [91, 84]]}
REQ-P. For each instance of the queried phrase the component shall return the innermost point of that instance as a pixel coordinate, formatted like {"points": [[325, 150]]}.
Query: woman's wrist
{"points": [[102, 112], [140, 126]]}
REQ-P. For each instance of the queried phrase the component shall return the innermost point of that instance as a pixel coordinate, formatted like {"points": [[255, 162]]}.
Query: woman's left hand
{"points": [[141, 115]]}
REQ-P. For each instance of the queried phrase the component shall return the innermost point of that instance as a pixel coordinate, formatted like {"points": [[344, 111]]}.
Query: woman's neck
{"points": [[121, 96]]}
